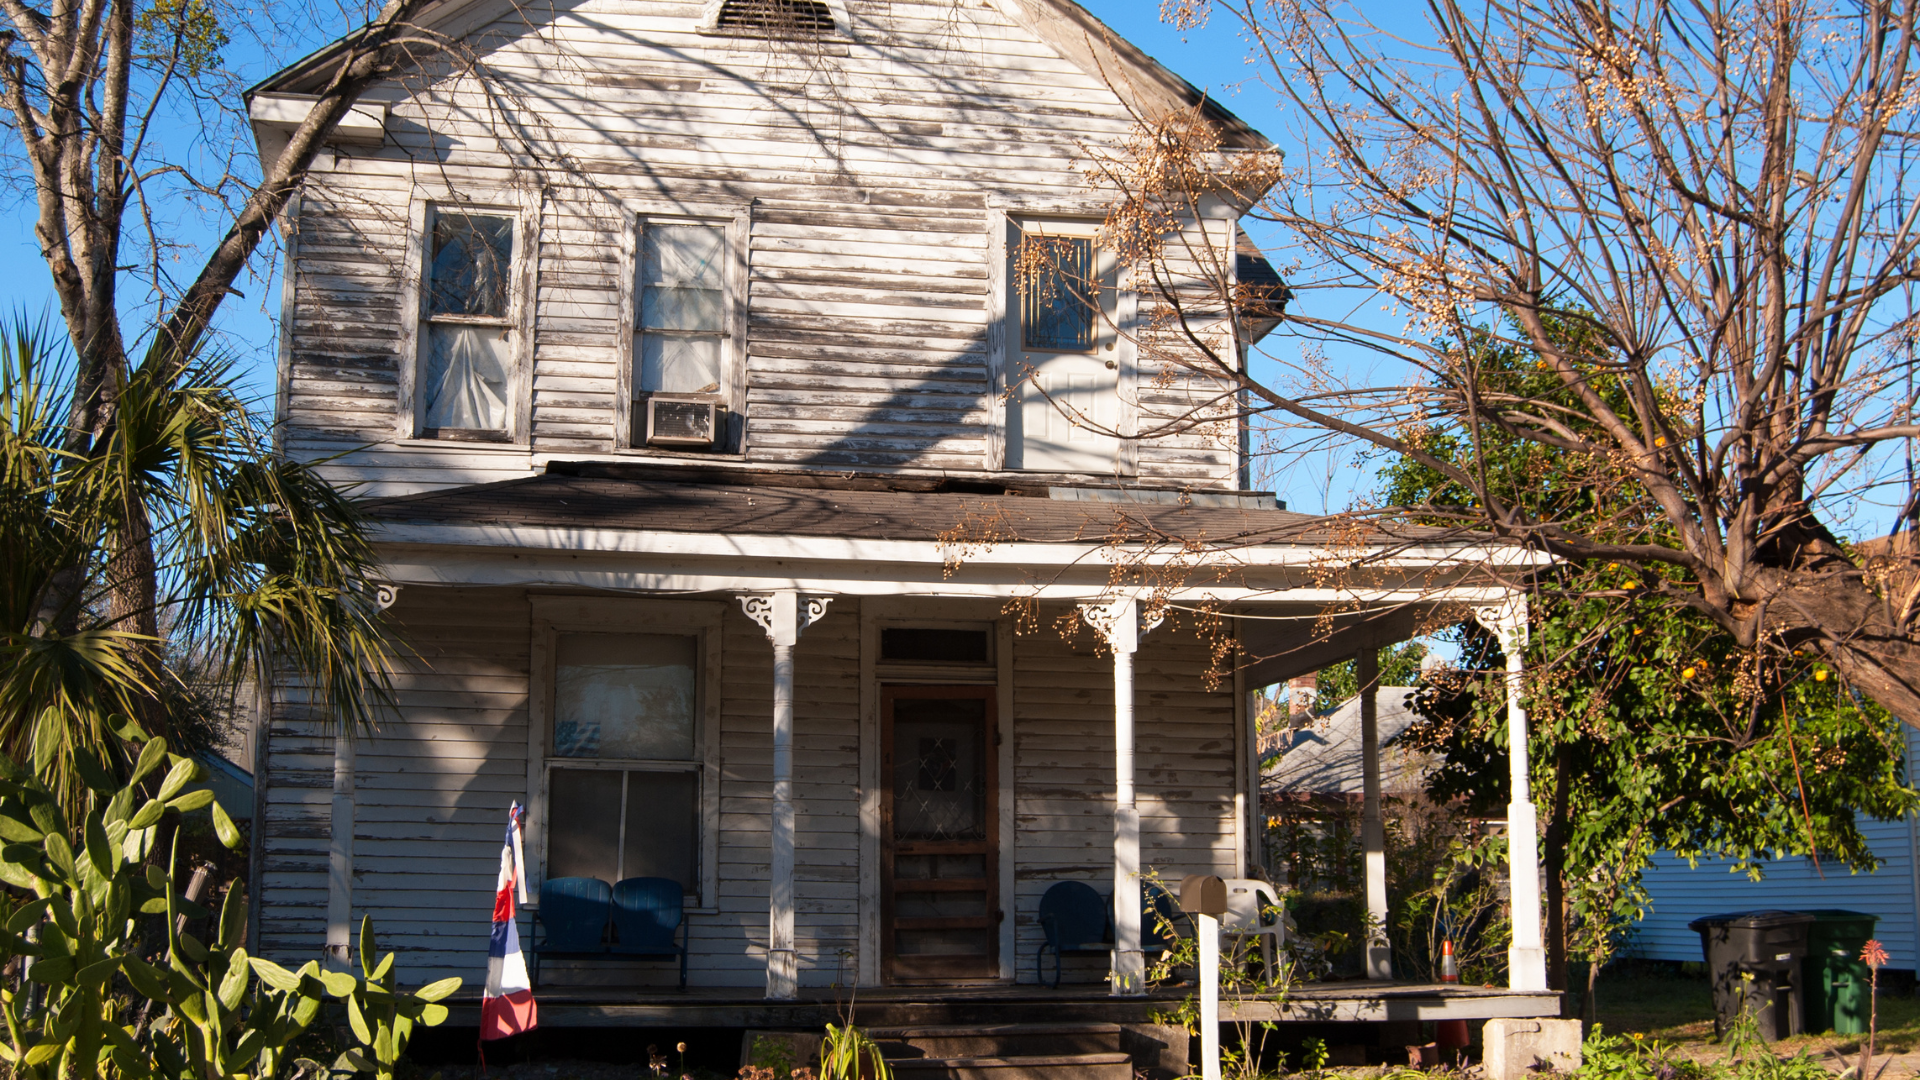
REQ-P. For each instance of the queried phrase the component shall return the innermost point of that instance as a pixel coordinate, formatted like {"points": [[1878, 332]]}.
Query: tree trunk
{"points": [[1553, 866], [1858, 633], [1589, 1008], [1816, 594]]}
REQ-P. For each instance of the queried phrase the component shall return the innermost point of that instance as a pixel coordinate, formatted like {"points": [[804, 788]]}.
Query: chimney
{"points": [[1301, 692]]}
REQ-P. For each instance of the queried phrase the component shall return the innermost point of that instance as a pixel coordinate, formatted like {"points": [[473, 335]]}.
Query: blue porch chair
{"points": [[1074, 918], [572, 921], [647, 914]]}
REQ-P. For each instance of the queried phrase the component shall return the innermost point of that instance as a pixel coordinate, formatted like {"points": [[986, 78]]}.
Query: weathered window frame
{"points": [[732, 396], [410, 405], [553, 616], [1004, 345]]}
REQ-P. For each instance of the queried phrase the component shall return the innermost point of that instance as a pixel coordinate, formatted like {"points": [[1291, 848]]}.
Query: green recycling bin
{"points": [[1838, 985]]}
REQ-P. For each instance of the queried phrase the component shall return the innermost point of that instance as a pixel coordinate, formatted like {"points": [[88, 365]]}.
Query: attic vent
{"points": [[776, 18]]}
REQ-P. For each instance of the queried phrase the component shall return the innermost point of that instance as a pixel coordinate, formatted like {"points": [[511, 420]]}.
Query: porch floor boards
{"points": [[903, 1006]]}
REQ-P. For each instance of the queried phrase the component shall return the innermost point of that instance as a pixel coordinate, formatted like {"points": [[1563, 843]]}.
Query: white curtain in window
{"points": [[683, 284], [467, 378]]}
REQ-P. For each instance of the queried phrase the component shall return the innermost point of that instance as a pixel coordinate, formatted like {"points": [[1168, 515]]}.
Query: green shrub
{"points": [[1632, 1057], [86, 1004]]}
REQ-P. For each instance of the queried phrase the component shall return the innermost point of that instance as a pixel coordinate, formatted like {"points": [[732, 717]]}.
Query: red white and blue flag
{"points": [[506, 1007]]}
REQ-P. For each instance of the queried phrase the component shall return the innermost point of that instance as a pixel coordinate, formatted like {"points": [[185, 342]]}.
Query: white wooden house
{"points": [[729, 476]]}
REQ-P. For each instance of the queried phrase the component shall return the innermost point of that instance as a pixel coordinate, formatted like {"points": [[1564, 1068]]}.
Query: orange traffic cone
{"points": [[1450, 1034]]}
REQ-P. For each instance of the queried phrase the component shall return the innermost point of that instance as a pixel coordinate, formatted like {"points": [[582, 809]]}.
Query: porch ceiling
{"points": [[1283, 646]]}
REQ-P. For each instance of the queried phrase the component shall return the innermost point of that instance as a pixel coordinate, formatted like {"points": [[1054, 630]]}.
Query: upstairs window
{"points": [[681, 334], [466, 381], [775, 18]]}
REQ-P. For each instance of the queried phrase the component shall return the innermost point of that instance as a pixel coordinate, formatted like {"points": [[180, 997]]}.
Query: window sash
{"points": [[465, 380], [1060, 294], [665, 271], [557, 831]]}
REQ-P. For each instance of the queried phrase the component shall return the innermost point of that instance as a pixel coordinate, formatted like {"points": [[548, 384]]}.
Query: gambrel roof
{"points": [[1149, 88]]}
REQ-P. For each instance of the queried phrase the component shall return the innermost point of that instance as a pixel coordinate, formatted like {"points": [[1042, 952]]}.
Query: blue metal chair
{"points": [[647, 913], [573, 917], [1074, 918]]}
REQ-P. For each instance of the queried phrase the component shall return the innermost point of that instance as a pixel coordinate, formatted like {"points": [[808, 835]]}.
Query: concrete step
{"points": [[997, 1040], [1111, 1066]]}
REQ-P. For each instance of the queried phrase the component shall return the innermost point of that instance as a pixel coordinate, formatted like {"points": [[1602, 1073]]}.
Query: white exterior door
{"points": [[1065, 375]]}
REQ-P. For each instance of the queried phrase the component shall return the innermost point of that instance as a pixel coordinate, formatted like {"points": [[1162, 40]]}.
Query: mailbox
{"points": [[1203, 894]]}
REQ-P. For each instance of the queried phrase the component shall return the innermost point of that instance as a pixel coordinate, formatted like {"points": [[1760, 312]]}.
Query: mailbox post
{"points": [[1206, 896]]}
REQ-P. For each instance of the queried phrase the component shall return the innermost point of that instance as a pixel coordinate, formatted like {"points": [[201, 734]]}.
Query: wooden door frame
{"points": [[989, 846]]}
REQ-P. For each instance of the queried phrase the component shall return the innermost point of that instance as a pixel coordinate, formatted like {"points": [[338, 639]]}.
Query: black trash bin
{"points": [[1768, 945]]}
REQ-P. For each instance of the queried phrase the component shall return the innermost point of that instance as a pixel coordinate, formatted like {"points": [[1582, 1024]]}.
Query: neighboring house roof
{"points": [[1324, 758], [231, 784], [652, 499], [1140, 80], [1263, 295]]}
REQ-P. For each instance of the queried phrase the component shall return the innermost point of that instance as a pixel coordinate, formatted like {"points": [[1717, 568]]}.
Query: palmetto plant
{"points": [[176, 533]]}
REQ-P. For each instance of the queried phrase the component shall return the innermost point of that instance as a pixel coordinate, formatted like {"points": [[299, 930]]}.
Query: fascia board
{"points": [[931, 553], [366, 121], [601, 573]]}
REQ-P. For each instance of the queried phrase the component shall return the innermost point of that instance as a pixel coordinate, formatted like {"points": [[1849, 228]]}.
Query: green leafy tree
{"points": [[1650, 727]]}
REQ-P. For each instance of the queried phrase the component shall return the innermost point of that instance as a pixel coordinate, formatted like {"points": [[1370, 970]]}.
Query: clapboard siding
{"points": [[1682, 894], [869, 169], [1063, 769], [432, 786]]}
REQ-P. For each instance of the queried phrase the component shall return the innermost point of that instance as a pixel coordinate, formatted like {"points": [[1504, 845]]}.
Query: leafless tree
{"points": [[1694, 219]]}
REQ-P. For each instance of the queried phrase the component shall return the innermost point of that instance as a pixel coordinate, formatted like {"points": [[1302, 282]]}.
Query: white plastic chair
{"points": [[1253, 910]]}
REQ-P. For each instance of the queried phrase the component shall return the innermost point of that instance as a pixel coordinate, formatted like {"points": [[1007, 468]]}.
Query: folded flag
{"points": [[506, 1006]]}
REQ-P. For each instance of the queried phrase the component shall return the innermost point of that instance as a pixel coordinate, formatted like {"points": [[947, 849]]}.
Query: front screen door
{"points": [[939, 880], [1065, 344]]}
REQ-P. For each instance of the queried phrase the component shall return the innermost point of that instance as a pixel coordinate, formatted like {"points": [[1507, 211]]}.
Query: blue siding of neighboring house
{"points": [[1681, 894]]}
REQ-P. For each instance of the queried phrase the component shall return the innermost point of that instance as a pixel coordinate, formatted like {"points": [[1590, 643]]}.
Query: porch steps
{"points": [[1006, 1052]]}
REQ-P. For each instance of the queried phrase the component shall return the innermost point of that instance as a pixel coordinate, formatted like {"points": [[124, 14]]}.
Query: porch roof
{"points": [[867, 507]]}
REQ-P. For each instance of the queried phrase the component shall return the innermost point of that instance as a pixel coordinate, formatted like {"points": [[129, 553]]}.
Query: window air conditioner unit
{"points": [[682, 420]]}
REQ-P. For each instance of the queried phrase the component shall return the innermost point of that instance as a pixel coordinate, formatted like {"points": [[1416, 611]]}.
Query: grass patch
{"points": [[1678, 1008]]}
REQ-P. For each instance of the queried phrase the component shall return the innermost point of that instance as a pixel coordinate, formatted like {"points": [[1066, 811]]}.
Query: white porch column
{"points": [[1527, 958], [782, 616], [1119, 625], [1373, 834]]}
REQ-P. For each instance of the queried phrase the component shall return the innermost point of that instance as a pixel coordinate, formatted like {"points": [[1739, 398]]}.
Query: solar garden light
{"points": [[1206, 896]]}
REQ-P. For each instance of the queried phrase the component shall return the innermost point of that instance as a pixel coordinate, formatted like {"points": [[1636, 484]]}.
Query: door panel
{"points": [[939, 867], [1064, 344]]}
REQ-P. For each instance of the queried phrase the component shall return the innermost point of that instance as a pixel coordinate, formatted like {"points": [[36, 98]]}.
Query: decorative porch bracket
{"points": [[783, 615], [1120, 624], [1527, 958]]}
